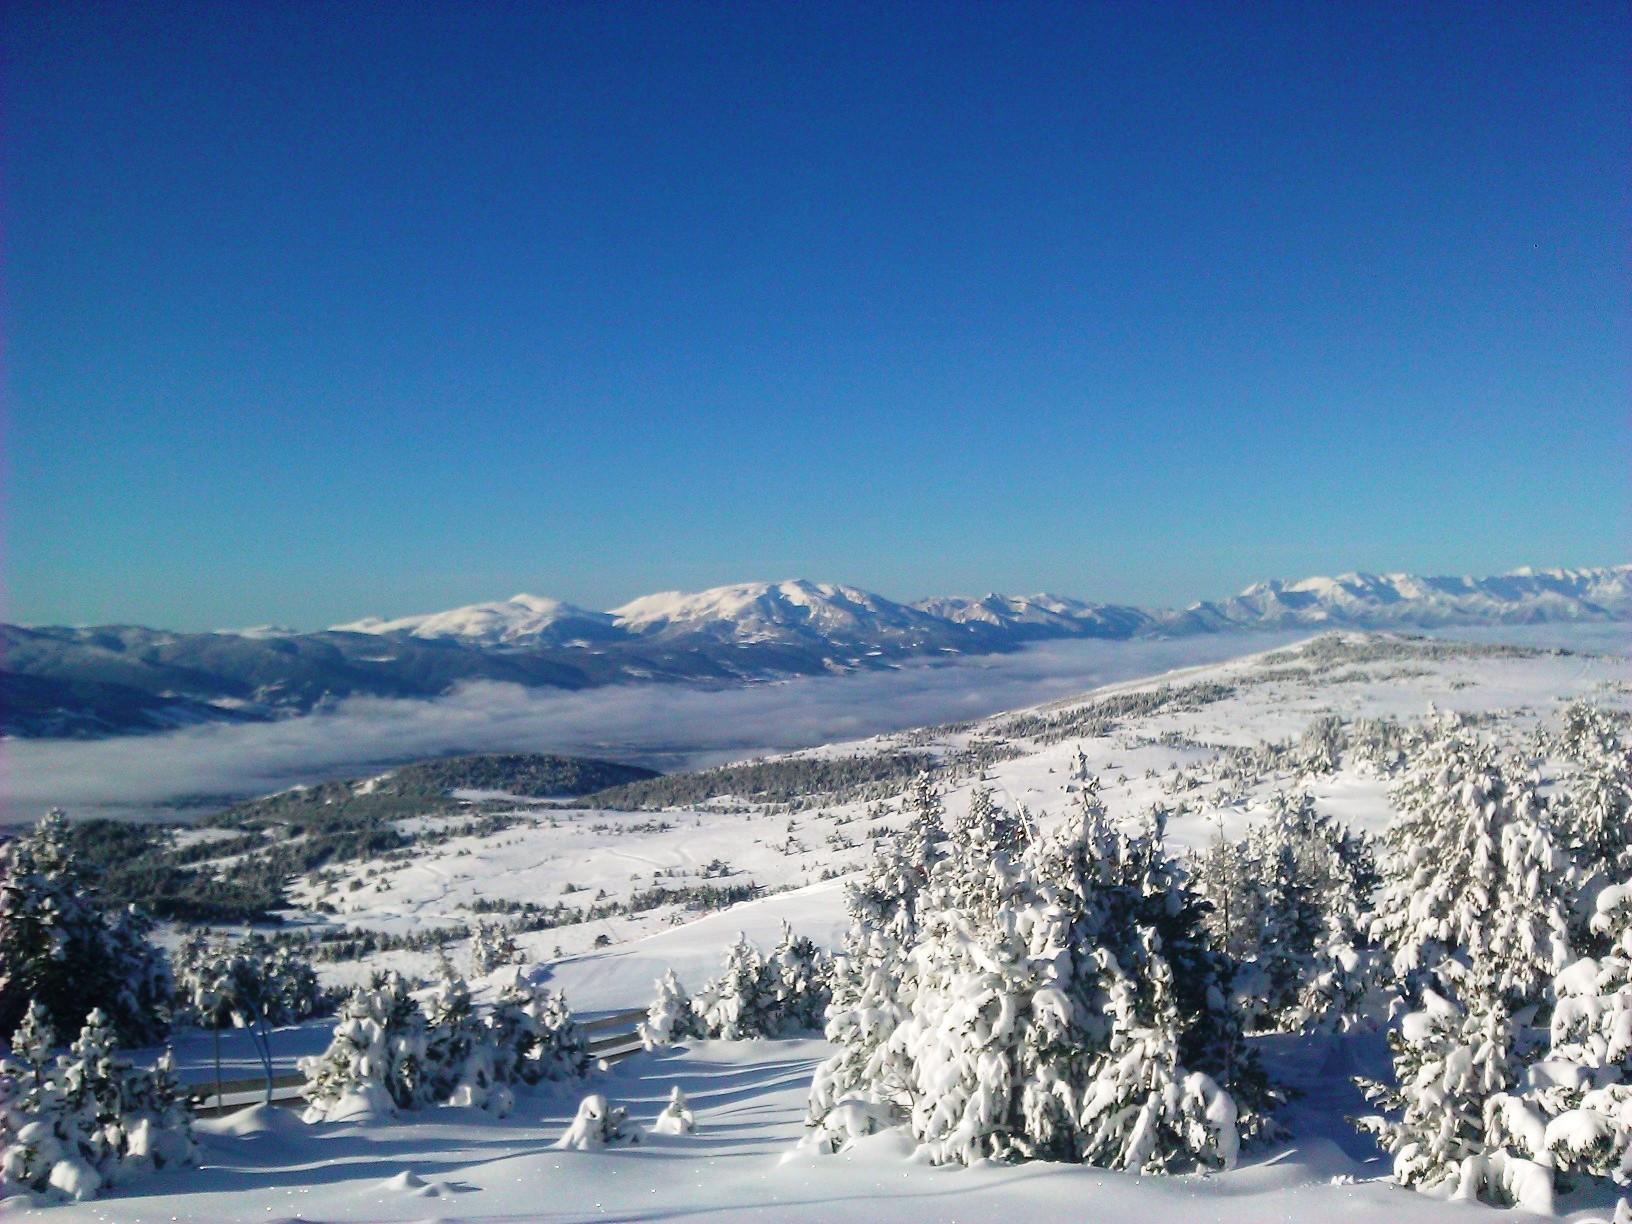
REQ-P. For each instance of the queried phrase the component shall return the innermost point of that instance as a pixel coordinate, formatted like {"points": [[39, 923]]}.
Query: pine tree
{"points": [[739, 1003], [1592, 809], [1449, 1063], [89, 1119], [536, 1037], [1469, 841], [492, 947], [669, 1018], [58, 947], [1024, 1039], [460, 1052], [797, 976], [376, 1060]]}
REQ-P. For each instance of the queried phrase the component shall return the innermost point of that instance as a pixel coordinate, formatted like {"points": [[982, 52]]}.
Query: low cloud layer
{"points": [[666, 726]]}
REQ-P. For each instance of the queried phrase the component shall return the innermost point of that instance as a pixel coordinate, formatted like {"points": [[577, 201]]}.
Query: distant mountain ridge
{"points": [[119, 679]]}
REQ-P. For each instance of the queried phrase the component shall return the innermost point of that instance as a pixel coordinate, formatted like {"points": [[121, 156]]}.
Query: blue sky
{"points": [[315, 311]]}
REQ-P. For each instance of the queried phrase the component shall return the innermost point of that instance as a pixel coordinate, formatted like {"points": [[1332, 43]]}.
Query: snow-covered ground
{"points": [[743, 1162], [750, 1097]]}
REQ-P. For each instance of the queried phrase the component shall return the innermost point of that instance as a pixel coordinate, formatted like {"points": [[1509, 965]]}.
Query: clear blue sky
{"points": [[320, 310]]}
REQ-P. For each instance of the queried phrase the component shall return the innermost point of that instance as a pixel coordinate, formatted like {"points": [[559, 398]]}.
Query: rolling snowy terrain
{"points": [[1173, 739]]}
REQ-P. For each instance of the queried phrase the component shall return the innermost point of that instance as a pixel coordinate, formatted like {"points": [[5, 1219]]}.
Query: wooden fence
{"points": [[611, 1038]]}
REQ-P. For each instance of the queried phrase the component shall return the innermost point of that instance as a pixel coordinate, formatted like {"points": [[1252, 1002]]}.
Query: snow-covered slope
{"points": [[1163, 739]]}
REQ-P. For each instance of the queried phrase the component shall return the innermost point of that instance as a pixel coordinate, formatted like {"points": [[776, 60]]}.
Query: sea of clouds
{"points": [[184, 773]]}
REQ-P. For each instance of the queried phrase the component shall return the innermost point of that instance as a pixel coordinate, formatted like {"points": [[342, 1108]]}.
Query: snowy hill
{"points": [[519, 620], [110, 680]]}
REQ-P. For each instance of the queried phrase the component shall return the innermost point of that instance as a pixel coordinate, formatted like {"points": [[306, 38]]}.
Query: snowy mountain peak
{"points": [[519, 619]]}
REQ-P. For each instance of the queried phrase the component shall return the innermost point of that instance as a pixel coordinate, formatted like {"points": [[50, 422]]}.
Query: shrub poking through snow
{"points": [[72, 1125], [598, 1124], [676, 1118]]}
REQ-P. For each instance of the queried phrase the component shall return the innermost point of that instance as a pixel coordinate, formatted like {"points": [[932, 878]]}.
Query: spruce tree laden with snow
{"points": [[1592, 808], [492, 947], [669, 1018], [460, 1053], [738, 1003], [1450, 1063], [1573, 1113], [1291, 902], [798, 975], [1472, 874], [60, 947], [535, 1036], [376, 1060], [72, 1125], [1012, 1044], [872, 985]]}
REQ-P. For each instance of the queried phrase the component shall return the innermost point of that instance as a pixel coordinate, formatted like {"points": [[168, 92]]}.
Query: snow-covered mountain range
{"points": [[115, 679], [848, 616]]}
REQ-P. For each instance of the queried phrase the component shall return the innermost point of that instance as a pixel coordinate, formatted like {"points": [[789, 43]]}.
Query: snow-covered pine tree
{"points": [[739, 1003], [1592, 809], [91, 1120], [1320, 748], [872, 986], [1141, 1109], [669, 1018], [535, 1036], [460, 1051], [492, 947], [58, 947], [1450, 1062], [1470, 842], [925, 828], [1008, 1049], [375, 1062], [797, 975], [959, 1039], [1575, 1111], [32, 1113]]}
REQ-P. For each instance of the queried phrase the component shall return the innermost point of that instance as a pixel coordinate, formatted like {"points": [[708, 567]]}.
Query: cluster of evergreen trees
{"points": [[1009, 995], [755, 995], [1504, 910], [388, 1053], [77, 1121], [60, 946]]}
